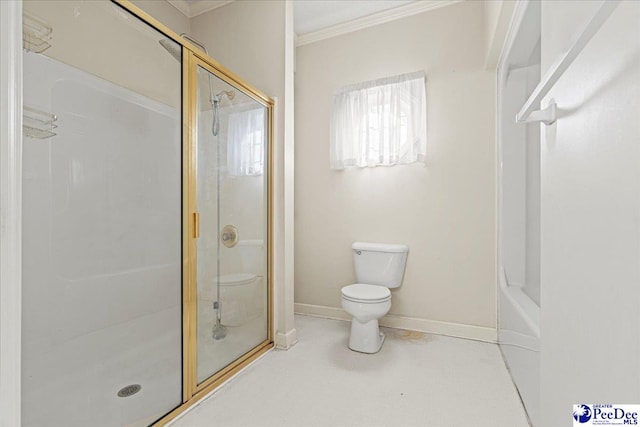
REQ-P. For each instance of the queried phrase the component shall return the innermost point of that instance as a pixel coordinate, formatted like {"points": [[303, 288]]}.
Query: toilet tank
{"points": [[379, 263]]}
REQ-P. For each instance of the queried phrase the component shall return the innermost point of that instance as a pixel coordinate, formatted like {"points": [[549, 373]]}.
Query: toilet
{"points": [[379, 267]]}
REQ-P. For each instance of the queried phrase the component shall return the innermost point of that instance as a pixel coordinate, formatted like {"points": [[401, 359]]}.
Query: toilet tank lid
{"points": [[379, 247]]}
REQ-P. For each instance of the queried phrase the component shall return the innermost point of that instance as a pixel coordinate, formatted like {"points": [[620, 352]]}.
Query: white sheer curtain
{"points": [[245, 142], [381, 122]]}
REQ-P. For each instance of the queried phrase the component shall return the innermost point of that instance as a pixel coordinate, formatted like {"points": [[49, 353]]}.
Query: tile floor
{"points": [[415, 380]]}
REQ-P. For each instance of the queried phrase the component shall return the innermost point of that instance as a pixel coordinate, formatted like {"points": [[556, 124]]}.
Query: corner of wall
{"points": [[167, 14], [286, 340], [285, 332], [497, 19]]}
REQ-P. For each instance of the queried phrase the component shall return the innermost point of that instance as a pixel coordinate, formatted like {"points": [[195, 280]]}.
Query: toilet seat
{"points": [[366, 294]]}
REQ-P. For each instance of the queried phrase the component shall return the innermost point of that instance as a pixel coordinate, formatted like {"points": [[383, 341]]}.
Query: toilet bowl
{"points": [[238, 298], [379, 267], [366, 304]]}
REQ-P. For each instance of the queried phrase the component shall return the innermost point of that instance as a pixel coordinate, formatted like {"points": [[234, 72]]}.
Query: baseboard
{"points": [[458, 330], [285, 341]]}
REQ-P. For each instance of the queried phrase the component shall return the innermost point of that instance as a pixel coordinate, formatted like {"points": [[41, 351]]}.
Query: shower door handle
{"points": [[196, 225]]}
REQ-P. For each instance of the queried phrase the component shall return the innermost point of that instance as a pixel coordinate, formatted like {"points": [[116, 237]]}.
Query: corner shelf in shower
{"points": [[38, 124], [36, 34]]}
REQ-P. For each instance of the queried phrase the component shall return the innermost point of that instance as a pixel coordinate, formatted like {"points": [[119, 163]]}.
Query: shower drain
{"points": [[129, 390]]}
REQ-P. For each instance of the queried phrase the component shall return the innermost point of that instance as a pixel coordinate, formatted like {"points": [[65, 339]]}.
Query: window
{"points": [[381, 122], [245, 148]]}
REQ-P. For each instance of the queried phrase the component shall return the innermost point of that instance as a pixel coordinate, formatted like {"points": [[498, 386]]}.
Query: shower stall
{"points": [[146, 218], [519, 208]]}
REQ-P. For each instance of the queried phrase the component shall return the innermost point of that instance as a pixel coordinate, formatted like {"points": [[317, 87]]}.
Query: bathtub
{"points": [[519, 340]]}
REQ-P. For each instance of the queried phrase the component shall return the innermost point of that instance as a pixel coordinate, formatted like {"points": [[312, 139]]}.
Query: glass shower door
{"points": [[231, 201]]}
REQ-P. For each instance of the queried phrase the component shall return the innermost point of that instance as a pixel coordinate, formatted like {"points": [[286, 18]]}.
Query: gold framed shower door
{"points": [[192, 58]]}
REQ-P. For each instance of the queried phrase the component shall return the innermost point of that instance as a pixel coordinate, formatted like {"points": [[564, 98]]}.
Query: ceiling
{"points": [[314, 15], [309, 15], [192, 8]]}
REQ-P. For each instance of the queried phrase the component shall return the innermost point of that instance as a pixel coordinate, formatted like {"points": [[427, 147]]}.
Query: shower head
{"points": [[228, 93], [194, 41], [173, 48], [215, 103], [176, 50]]}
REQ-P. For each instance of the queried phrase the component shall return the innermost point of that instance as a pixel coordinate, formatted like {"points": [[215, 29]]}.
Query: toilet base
{"points": [[365, 337]]}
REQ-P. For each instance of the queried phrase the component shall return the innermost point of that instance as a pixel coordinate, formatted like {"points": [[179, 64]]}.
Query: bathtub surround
{"points": [[444, 212], [590, 198], [586, 345]]}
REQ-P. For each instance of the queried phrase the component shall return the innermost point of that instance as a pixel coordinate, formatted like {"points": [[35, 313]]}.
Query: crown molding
{"points": [[372, 20], [193, 9], [181, 5]]}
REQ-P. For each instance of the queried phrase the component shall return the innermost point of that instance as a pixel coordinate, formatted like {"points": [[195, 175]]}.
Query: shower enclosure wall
{"points": [[519, 208], [137, 299]]}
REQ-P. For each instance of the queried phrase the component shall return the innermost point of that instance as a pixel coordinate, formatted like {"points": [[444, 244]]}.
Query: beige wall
{"points": [[100, 38], [166, 14], [497, 17], [247, 37], [445, 211]]}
